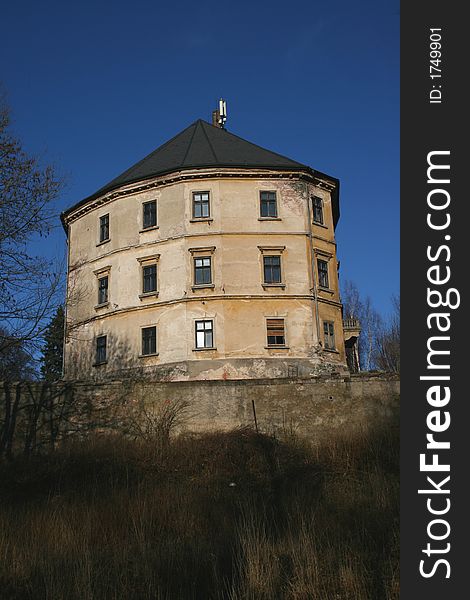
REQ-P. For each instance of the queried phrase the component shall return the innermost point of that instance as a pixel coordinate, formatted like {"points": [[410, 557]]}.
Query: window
{"points": [[202, 265], [272, 274], [202, 271], [104, 228], [149, 218], [317, 205], [201, 208], [329, 335], [323, 273], [149, 340], [101, 349], [149, 279], [272, 269], [276, 332], [103, 283], [268, 205], [149, 275], [205, 334]]}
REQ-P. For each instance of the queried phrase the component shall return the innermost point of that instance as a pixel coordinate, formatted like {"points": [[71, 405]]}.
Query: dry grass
{"points": [[113, 519]]}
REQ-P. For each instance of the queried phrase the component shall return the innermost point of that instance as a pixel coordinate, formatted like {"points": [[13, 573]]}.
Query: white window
{"points": [[201, 205], [202, 271], [203, 276], [205, 333]]}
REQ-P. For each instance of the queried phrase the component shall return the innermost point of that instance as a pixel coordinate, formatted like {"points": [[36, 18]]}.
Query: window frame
{"points": [[204, 269], [272, 327], [101, 349], [201, 203], [329, 335], [104, 226], [105, 300], [272, 251], [143, 340], [319, 208], [154, 224], [151, 277], [210, 320], [268, 217], [323, 273], [206, 252], [265, 266], [100, 274], [147, 262]]}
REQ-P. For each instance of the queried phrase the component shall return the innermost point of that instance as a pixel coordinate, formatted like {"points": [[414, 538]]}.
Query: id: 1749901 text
{"points": [[435, 71]]}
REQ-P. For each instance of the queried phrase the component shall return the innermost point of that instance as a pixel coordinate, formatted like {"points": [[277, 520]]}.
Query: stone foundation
{"points": [[313, 408]]}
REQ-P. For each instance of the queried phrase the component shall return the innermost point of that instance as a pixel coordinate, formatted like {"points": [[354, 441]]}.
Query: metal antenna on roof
{"points": [[220, 116], [222, 113]]}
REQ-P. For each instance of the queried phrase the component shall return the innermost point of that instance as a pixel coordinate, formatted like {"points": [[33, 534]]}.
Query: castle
{"points": [[211, 258]]}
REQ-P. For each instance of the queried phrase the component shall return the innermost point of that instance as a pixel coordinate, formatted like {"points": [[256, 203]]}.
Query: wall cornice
{"points": [[73, 214]]}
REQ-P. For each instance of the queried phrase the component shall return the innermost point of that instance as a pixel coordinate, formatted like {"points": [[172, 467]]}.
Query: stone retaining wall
{"points": [[313, 408]]}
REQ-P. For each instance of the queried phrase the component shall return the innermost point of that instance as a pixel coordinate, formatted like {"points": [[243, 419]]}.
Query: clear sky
{"points": [[95, 86]]}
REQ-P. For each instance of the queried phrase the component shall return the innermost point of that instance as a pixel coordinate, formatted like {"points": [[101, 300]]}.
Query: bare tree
{"points": [[354, 307], [388, 342], [351, 299], [29, 285], [35, 416], [15, 362], [371, 326]]}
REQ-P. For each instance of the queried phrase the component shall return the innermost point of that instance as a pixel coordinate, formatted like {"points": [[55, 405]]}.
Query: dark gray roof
{"points": [[200, 145]]}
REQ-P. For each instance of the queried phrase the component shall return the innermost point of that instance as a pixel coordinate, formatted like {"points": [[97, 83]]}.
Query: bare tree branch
{"points": [[30, 286]]}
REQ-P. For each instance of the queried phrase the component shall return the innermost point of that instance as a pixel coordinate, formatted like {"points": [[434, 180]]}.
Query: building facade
{"points": [[211, 258]]}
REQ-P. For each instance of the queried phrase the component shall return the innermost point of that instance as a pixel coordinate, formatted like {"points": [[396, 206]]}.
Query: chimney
{"points": [[216, 118]]}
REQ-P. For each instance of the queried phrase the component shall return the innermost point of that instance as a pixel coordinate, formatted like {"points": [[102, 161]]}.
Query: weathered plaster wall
{"points": [[238, 302]]}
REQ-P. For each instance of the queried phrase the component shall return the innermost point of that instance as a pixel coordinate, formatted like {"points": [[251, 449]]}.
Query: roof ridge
{"points": [[153, 153], [190, 142], [208, 140]]}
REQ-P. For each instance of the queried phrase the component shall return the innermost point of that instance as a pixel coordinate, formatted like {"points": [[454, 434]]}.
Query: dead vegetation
{"points": [[236, 516]]}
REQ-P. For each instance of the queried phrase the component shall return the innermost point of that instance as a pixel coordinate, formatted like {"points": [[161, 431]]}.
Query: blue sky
{"points": [[95, 86]]}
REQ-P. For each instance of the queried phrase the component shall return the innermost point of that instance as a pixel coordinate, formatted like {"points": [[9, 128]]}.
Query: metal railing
{"points": [[351, 323]]}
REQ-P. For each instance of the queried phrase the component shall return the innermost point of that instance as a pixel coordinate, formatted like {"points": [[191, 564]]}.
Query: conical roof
{"points": [[200, 145]]}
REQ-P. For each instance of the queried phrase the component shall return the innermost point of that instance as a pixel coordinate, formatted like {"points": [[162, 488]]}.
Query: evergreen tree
{"points": [[53, 349]]}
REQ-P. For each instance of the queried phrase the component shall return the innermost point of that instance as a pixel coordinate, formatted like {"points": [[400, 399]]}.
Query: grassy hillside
{"points": [[221, 516]]}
